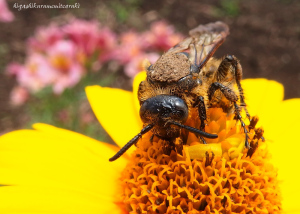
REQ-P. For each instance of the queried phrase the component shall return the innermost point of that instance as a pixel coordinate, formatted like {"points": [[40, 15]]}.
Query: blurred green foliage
{"points": [[227, 8], [230, 7], [123, 9]]}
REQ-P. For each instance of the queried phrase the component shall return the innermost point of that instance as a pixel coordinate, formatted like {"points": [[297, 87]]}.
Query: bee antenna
{"points": [[131, 142], [194, 130]]}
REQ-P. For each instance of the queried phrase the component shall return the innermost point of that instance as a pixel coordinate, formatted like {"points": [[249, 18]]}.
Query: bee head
{"points": [[162, 108]]}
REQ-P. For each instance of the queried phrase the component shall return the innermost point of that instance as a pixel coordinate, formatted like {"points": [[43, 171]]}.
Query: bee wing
{"points": [[183, 45], [204, 40], [207, 39]]}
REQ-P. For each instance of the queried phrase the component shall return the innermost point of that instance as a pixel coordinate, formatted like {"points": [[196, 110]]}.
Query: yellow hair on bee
{"points": [[145, 64], [147, 90]]}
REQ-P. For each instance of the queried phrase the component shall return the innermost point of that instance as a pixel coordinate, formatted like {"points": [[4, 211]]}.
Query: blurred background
{"points": [[48, 55]]}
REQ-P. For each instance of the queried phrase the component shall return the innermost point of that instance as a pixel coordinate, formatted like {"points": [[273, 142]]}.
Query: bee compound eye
{"points": [[180, 111], [150, 67], [229, 57], [162, 108]]}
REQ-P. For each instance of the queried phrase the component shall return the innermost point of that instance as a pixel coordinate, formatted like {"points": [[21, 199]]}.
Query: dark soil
{"points": [[264, 35]]}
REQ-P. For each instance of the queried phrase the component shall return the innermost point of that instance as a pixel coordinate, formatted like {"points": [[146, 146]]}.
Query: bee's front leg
{"points": [[231, 96], [231, 64], [200, 104], [226, 91]]}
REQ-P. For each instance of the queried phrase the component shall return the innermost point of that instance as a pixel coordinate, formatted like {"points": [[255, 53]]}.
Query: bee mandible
{"points": [[187, 77]]}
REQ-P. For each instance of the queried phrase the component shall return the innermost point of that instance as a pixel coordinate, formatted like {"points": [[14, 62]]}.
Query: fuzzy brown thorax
{"points": [[169, 68]]}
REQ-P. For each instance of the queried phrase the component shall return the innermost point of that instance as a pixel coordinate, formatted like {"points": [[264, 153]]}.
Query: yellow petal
{"points": [[67, 166], [280, 119], [141, 76], [287, 115], [263, 97], [105, 151], [31, 199], [285, 149], [260, 94], [115, 110], [199, 151]]}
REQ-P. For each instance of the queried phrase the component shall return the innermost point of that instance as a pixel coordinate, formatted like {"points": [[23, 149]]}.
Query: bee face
{"points": [[160, 109]]}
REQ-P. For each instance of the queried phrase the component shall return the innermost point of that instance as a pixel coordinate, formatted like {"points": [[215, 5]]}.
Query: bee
{"points": [[187, 77]]}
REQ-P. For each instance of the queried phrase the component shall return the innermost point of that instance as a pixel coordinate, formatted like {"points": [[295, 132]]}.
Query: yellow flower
{"points": [[52, 170]]}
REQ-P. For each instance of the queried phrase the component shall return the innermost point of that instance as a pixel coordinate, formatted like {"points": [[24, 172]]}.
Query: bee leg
{"points": [[178, 146], [151, 138], [238, 76], [231, 96], [209, 160], [227, 92], [168, 146], [239, 117], [202, 114], [254, 143], [225, 67]]}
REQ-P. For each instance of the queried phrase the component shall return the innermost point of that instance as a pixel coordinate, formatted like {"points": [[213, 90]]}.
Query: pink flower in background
{"points": [[137, 63], [161, 36], [58, 56], [84, 34], [34, 75], [5, 14], [65, 61], [44, 38], [107, 43], [91, 38], [61, 68], [13, 68], [18, 96], [131, 46]]}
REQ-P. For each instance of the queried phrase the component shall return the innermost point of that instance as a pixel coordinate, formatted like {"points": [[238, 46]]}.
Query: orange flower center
{"points": [[32, 67], [62, 63], [219, 177]]}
